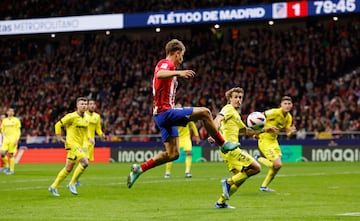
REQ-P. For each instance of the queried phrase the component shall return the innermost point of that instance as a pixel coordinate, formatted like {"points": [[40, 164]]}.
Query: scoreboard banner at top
{"points": [[313, 8], [281, 10]]}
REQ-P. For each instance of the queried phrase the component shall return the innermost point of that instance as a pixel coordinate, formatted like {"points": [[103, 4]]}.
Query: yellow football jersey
{"points": [[231, 124], [275, 117], [76, 129], [94, 124], [185, 135], [11, 129]]}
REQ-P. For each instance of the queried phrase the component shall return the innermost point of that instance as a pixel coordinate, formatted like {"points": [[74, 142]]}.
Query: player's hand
{"points": [[60, 139], [291, 130], [92, 140], [211, 140], [103, 137], [186, 73], [271, 129], [197, 139]]}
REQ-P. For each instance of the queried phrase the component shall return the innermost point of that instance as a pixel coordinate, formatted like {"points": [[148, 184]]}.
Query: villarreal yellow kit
{"points": [[11, 129], [268, 143], [185, 135], [230, 127], [94, 126], [76, 134]]}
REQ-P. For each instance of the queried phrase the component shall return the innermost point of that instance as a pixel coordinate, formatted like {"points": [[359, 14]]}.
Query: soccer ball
{"points": [[256, 120]]}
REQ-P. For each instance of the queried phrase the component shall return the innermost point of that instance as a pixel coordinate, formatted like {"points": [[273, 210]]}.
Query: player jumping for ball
{"points": [[167, 118]]}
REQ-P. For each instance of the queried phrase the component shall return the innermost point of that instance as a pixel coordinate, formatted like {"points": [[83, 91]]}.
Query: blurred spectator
{"points": [[311, 62]]}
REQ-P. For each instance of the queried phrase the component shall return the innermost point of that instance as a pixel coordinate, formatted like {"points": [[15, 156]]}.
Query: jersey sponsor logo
{"points": [[79, 126]]}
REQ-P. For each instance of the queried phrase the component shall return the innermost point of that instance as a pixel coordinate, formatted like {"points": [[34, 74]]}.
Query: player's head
{"points": [[235, 96], [10, 112], [81, 104], [92, 105], [286, 104], [176, 50]]}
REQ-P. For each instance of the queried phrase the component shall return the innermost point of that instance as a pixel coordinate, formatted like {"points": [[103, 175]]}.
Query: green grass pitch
{"points": [[305, 191]]}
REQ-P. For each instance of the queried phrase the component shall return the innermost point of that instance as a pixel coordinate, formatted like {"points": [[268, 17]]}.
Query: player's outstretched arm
{"points": [[179, 73], [186, 74]]}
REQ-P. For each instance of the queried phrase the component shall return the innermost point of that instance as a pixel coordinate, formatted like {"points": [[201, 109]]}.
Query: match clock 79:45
{"points": [[333, 6]]}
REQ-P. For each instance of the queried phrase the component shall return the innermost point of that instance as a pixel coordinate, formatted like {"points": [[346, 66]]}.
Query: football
{"points": [[256, 120]]}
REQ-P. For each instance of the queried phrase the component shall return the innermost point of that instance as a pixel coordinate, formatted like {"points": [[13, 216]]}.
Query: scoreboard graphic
{"points": [[284, 10], [298, 9]]}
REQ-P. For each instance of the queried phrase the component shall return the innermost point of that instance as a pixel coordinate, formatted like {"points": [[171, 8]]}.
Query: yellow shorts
{"points": [[237, 159], [270, 149], [74, 154], [89, 151], [186, 145], [9, 146]]}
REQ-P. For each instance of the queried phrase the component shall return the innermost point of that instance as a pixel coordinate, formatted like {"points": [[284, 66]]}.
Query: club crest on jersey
{"points": [[164, 65]]}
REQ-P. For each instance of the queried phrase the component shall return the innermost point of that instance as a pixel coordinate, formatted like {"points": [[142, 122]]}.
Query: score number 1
{"points": [[297, 9]]}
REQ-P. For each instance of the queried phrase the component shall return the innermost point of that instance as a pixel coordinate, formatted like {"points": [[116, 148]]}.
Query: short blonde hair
{"points": [[174, 45], [228, 94]]}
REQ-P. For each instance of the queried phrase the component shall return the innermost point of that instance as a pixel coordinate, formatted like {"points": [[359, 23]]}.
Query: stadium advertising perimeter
{"points": [[291, 152], [125, 152]]}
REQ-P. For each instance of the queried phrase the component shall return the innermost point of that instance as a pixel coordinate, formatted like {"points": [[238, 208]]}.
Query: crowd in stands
{"points": [[316, 64]]}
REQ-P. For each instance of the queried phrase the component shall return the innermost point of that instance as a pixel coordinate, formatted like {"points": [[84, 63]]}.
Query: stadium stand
{"points": [[315, 62]]}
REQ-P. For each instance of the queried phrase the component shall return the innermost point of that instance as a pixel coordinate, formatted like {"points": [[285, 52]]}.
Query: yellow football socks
{"points": [[6, 162], [265, 162], [269, 177], [237, 179], [77, 173], [188, 160], [233, 189], [60, 177], [168, 167], [12, 163]]}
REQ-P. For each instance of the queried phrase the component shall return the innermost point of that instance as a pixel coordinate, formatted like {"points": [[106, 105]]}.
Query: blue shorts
{"points": [[169, 120]]}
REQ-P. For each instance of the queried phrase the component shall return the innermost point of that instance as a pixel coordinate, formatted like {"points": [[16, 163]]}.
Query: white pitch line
{"points": [[349, 214], [147, 179]]}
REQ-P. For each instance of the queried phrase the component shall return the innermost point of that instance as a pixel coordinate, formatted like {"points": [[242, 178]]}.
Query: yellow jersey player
{"points": [[268, 143], [185, 142], [2, 117], [11, 130], [77, 131], [94, 127], [239, 162]]}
